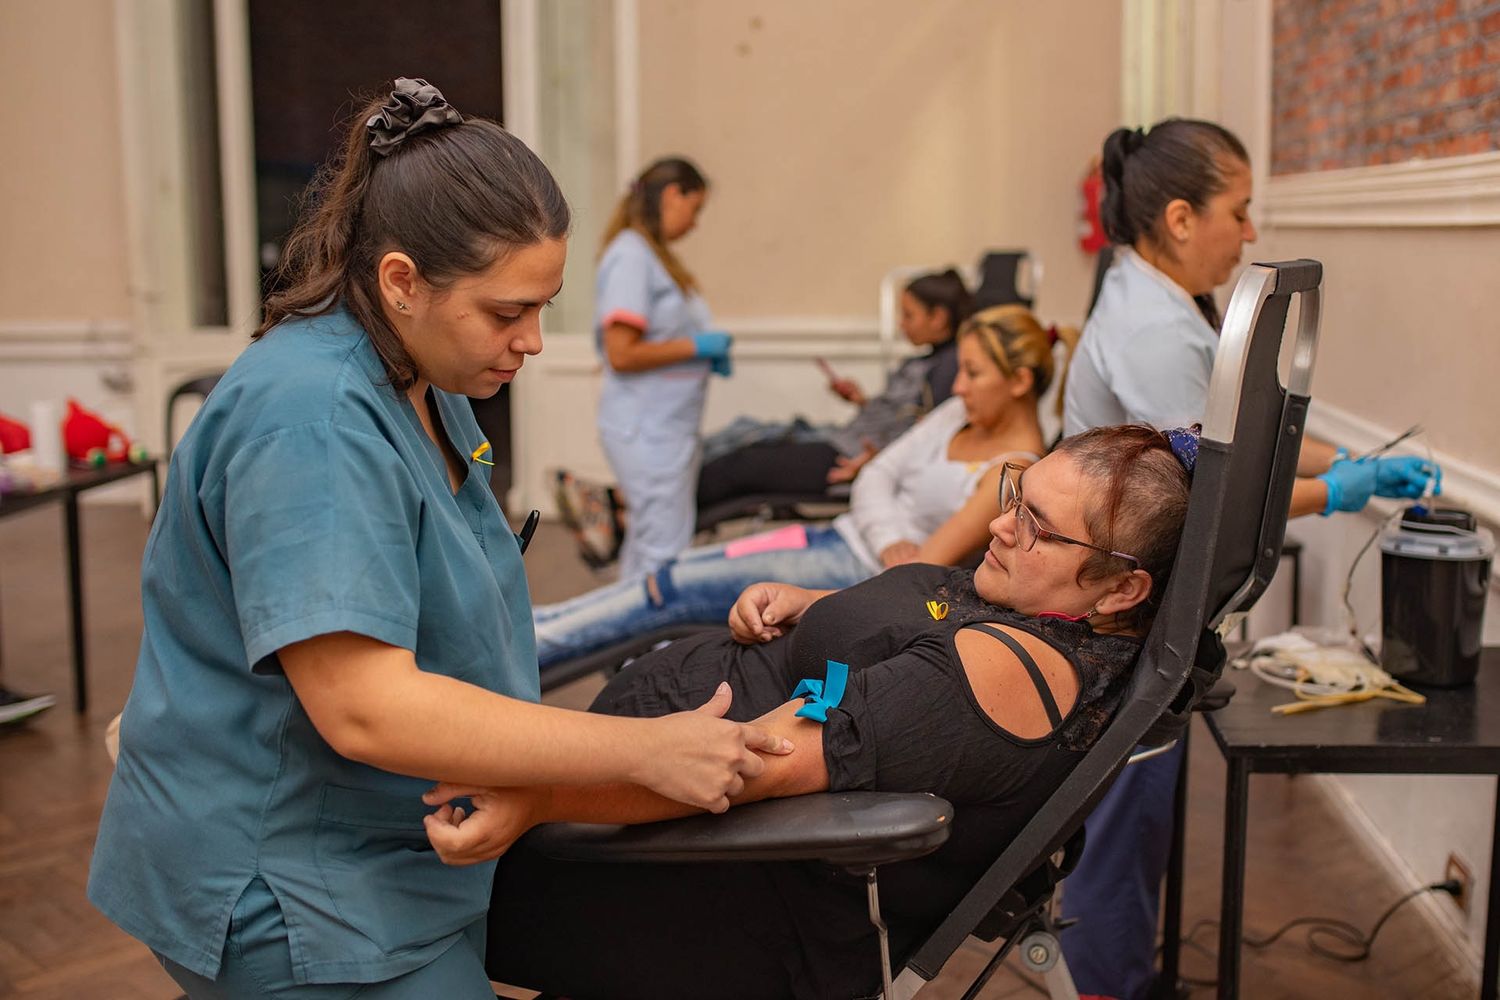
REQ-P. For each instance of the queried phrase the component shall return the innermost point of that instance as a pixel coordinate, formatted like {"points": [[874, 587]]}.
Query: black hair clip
{"points": [[416, 106]]}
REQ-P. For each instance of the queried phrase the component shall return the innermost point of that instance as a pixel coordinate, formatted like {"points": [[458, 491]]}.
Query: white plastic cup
{"points": [[46, 437]]}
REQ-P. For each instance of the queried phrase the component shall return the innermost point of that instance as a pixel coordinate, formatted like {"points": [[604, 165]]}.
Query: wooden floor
{"points": [[54, 773]]}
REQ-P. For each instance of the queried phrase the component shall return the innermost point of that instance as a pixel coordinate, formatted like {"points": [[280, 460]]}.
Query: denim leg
{"points": [[1115, 893], [701, 586]]}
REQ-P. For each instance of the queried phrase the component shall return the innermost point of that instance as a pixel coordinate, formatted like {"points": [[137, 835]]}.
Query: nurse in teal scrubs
{"points": [[336, 612]]}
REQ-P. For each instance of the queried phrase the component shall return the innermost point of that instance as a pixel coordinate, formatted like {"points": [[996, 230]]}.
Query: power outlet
{"points": [[1459, 871]]}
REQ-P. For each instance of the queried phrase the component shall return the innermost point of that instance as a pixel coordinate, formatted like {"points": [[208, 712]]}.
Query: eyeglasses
{"points": [[1029, 529]]}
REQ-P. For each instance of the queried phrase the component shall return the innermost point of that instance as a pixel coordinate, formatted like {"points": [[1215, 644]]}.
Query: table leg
{"points": [[1171, 942], [1488, 981], [75, 601], [1231, 905]]}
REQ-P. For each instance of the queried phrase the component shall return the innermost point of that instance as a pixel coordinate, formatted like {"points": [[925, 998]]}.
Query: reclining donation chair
{"points": [[1236, 519]]}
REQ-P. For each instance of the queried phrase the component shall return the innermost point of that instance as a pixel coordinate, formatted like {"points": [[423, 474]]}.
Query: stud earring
{"points": [[401, 306]]}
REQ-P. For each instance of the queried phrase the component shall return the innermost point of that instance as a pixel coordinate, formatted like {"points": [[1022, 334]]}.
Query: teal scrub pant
{"points": [[258, 963]]}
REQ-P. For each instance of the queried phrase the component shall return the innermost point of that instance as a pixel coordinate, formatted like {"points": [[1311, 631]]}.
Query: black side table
{"points": [[74, 482], [1456, 732]]}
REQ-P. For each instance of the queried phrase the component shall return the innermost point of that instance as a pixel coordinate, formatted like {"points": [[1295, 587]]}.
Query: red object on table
{"points": [[14, 435], [85, 431]]}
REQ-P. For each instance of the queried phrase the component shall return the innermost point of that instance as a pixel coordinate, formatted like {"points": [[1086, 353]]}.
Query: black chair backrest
{"points": [[1000, 280], [1230, 548], [200, 387]]}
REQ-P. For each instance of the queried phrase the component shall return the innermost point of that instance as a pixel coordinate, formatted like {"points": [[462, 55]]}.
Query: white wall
{"points": [[1409, 335], [843, 139], [64, 303]]}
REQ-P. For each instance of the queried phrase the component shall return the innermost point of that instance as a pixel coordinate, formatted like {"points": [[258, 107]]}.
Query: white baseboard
{"points": [[1441, 917]]}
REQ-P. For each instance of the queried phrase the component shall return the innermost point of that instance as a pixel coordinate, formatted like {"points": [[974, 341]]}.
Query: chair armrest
{"points": [[841, 828]]}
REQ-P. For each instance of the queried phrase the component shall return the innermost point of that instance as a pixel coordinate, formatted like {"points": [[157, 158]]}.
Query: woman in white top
{"points": [[928, 497], [652, 331]]}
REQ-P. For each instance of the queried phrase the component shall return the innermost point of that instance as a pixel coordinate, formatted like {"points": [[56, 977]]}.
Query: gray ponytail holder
{"points": [[416, 106]]}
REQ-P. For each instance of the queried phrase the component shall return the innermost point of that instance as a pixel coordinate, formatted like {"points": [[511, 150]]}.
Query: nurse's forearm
{"points": [[372, 704], [1315, 457], [627, 351], [1309, 496]]}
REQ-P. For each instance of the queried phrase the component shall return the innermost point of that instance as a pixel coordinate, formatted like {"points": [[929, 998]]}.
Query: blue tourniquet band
{"points": [[822, 695]]}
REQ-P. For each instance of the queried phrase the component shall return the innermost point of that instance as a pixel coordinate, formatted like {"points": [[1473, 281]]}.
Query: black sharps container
{"points": [[1434, 577]]}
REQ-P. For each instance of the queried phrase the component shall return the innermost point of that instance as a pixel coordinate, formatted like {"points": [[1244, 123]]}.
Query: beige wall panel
{"points": [[63, 254], [1411, 333], [845, 138]]}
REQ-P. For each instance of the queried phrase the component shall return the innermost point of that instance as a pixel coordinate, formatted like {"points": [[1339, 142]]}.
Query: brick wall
{"points": [[1363, 82]]}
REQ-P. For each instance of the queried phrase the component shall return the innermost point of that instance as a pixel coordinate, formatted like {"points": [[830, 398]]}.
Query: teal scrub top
{"points": [[305, 499]]}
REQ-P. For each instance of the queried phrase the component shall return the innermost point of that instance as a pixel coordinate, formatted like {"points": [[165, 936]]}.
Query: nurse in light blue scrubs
{"points": [[336, 613], [1177, 204], [651, 327]]}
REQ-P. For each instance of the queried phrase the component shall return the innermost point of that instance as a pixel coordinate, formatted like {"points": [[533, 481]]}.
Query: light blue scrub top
{"points": [[305, 499], [632, 286], [1146, 354]]}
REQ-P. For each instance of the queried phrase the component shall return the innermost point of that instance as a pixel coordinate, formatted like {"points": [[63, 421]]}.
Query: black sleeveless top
{"points": [[908, 722]]}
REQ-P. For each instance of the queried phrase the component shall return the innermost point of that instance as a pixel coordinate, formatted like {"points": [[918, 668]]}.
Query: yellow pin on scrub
{"points": [[479, 453], [937, 609]]}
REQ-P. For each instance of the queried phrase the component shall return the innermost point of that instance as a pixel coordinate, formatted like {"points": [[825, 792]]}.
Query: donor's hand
{"points": [[498, 818], [702, 759], [765, 611]]}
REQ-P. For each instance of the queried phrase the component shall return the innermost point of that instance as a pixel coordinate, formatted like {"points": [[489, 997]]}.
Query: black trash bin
{"points": [[1434, 578]]}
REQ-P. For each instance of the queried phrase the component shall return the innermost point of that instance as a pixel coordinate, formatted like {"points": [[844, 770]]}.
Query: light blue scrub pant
{"points": [[699, 587], [657, 470], [258, 963]]}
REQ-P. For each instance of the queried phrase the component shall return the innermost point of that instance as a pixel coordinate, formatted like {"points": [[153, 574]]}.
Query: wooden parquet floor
{"points": [[54, 774]]}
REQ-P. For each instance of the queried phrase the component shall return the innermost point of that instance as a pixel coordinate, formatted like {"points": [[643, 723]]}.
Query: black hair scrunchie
{"points": [[1134, 139], [416, 106]]}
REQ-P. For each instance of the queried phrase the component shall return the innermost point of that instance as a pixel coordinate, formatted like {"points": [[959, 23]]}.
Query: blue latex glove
{"points": [[722, 366], [711, 344], [1350, 485], [1405, 477]]}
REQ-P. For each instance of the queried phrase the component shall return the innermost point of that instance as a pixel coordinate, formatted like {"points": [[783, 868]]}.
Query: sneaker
{"points": [[16, 707], [593, 513]]}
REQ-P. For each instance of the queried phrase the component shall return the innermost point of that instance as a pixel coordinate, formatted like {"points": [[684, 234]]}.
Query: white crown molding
{"points": [[1452, 191]]}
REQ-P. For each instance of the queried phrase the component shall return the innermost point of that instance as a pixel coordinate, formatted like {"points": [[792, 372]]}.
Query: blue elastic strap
{"points": [[822, 695]]}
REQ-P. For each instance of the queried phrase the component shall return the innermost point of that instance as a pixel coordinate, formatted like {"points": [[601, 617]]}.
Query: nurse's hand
{"points": [[499, 818], [702, 759], [1406, 476], [765, 611]]}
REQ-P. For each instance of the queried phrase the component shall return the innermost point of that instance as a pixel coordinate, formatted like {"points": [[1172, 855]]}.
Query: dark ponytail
{"points": [[944, 289], [1145, 171], [453, 196]]}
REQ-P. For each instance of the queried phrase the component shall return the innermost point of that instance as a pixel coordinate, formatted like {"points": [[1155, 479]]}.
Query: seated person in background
{"points": [[927, 497], [989, 702], [751, 456]]}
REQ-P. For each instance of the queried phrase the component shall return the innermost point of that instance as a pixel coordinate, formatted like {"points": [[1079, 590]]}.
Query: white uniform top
{"points": [[633, 287], [1145, 356], [912, 486]]}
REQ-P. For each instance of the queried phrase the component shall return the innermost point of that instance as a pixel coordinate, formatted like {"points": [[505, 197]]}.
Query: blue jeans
{"points": [[257, 964], [1115, 892], [699, 586]]}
